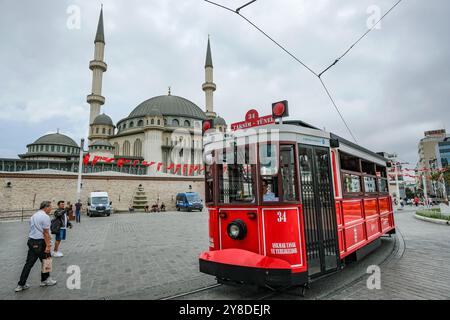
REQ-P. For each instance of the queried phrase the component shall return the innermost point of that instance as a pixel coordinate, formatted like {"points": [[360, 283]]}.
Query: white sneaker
{"points": [[58, 254], [22, 288], [48, 283]]}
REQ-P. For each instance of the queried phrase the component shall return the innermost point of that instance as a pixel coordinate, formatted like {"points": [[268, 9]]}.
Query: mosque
{"points": [[152, 131]]}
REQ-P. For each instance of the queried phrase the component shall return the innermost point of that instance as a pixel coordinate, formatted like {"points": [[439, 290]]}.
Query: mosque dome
{"points": [[103, 119], [56, 139], [220, 121], [168, 105]]}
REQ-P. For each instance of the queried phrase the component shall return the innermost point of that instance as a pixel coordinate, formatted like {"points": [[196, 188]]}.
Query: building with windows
{"points": [[430, 159]]}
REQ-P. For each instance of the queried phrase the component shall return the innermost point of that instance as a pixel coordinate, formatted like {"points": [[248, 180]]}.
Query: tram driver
{"points": [[268, 195]]}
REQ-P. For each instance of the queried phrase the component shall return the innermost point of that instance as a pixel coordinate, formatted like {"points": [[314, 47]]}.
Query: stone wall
{"points": [[28, 190]]}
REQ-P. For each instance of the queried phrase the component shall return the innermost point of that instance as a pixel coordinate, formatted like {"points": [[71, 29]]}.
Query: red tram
{"points": [[289, 202]]}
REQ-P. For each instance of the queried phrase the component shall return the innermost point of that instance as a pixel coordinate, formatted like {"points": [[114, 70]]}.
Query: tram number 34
{"points": [[281, 216]]}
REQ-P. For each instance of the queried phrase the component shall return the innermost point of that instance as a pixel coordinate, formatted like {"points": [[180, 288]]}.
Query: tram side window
{"points": [[236, 180], [382, 179], [352, 183], [268, 158]]}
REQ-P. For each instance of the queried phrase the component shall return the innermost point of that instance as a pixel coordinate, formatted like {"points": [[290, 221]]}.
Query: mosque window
{"points": [[140, 123], [96, 130], [124, 126], [175, 123], [104, 131], [109, 131], [137, 148], [131, 124], [42, 148], [159, 122], [165, 121], [126, 148], [152, 121], [187, 123], [58, 149], [116, 149], [63, 149]]}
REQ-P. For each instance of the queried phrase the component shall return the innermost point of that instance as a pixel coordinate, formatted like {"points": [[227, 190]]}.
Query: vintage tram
{"points": [[289, 202]]}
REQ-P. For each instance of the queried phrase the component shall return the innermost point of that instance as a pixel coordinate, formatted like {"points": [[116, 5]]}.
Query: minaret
{"points": [[209, 86], [98, 66]]}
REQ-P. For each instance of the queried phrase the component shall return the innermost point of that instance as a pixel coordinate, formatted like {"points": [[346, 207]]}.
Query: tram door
{"points": [[318, 210]]}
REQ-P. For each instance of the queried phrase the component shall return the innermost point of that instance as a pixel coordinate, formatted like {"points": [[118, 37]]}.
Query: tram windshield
{"points": [[236, 175]]}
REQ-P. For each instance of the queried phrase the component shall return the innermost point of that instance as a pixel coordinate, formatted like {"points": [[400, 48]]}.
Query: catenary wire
{"points": [[360, 38], [301, 62]]}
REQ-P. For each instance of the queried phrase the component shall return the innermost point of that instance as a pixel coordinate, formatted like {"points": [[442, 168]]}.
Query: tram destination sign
{"points": [[252, 119]]}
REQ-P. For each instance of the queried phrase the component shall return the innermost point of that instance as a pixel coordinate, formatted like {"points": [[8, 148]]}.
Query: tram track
{"points": [[398, 251], [188, 293]]}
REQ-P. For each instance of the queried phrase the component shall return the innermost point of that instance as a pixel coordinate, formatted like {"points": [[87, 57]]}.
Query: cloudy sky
{"points": [[391, 88]]}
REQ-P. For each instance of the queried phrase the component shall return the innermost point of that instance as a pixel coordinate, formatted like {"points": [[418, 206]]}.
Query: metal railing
{"points": [[21, 214]]}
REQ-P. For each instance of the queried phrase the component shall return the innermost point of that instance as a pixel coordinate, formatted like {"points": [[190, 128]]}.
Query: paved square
{"points": [[118, 256]]}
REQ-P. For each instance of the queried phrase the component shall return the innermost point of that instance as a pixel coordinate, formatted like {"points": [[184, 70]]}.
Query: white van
{"points": [[99, 204]]}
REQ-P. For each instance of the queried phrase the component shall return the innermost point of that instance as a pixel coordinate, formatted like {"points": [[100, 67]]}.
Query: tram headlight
{"points": [[237, 230]]}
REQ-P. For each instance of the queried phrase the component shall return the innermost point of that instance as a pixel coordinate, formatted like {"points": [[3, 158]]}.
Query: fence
{"points": [[17, 214]]}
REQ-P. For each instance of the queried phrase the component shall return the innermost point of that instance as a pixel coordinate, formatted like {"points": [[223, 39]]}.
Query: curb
{"points": [[437, 221]]}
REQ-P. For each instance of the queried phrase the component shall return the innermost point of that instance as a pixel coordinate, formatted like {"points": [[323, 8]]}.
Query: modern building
{"points": [[395, 175], [443, 160], [430, 160]]}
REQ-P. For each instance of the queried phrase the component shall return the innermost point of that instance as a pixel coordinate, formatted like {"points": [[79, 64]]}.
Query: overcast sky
{"points": [[391, 88]]}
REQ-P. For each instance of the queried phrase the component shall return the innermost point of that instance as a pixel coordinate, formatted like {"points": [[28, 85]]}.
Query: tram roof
{"points": [[310, 130]]}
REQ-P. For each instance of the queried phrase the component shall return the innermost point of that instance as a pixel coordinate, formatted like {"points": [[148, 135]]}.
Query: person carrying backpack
{"points": [[59, 227]]}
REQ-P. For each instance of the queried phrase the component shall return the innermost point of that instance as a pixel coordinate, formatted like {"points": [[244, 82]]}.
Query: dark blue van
{"points": [[189, 201]]}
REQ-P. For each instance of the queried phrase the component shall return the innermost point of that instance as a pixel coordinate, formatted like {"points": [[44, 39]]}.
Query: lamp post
{"points": [[80, 169]]}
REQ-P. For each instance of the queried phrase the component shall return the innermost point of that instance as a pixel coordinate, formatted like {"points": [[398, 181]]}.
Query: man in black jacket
{"points": [[61, 215]]}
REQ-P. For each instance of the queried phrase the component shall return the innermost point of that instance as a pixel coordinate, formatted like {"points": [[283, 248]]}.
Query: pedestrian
{"points": [[78, 206], [69, 210], [39, 245], [61, 214], [416, 201]]}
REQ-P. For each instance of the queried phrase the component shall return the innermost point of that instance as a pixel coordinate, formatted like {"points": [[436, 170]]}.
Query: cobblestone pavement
{"points": [[419, 270], [151, 256], [117, 255]]}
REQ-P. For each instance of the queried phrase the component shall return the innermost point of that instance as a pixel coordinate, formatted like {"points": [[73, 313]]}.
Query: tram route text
{"points": [[228, 309], [284, 248]]}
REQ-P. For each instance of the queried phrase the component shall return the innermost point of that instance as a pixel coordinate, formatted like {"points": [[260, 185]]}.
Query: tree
{"points": [[409, 193]]}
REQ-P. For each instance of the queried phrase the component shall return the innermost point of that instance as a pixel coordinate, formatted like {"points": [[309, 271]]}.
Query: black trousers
{"points": [[36, 250]]}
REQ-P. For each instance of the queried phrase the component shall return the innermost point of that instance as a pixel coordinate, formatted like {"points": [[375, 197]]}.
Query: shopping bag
{"points": [[47, 265]]}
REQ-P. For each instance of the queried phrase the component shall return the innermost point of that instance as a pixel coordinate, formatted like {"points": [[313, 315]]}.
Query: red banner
{"points": [[120, 162]]}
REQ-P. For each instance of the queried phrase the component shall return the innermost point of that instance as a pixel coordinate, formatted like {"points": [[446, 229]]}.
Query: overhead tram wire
{"points": [[360, 38], [290, 54], [264, 33]]}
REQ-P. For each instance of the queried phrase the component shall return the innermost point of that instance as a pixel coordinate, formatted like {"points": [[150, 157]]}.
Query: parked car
{"points": [[189, 201], [99, 204]]}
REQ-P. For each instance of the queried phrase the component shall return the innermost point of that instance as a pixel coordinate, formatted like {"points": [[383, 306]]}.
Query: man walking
{"points": [[61, 214], [39, 246], [78, 206]]}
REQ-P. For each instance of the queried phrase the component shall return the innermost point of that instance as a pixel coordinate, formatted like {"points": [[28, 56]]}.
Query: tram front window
{"points": [[236, 179]]}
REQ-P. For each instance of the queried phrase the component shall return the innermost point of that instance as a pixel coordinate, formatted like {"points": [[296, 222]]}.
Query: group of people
{"points": [[416, 201], [155, 208], [39, 238]]}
